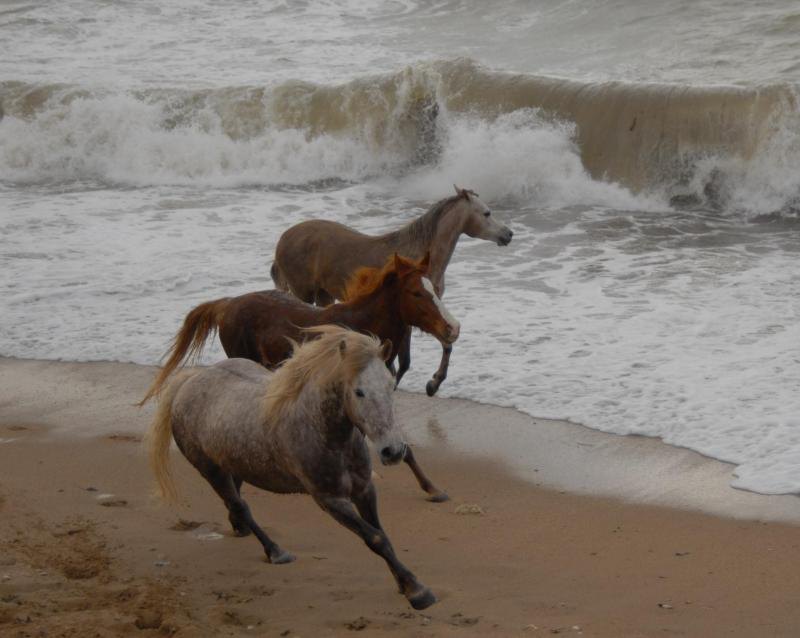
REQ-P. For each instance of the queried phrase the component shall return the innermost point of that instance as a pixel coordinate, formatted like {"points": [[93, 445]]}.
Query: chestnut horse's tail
{"points": [[278, 278], [188, 343], [159, 437]]}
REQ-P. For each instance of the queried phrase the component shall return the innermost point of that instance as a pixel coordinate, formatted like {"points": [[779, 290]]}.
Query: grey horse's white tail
{"points": [[159, 437]]}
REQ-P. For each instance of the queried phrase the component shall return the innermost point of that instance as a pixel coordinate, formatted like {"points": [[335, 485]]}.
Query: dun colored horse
{"points": [[301, 429], [315, 259], [258, 326]]}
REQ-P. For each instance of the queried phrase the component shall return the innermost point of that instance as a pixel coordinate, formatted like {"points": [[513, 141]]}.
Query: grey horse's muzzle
{"points": [[392, 454]]}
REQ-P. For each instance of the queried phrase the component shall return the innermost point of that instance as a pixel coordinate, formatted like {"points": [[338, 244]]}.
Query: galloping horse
{"points": [[315, 259], [259, 325], [300, 429]]}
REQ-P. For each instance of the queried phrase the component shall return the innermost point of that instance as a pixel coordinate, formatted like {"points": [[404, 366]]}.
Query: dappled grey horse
{"points": [[300, 429]]}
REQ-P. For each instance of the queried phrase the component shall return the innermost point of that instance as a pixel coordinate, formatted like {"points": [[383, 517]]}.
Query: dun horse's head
{"points": [[419, 304], [369, 401], [479, 221]]}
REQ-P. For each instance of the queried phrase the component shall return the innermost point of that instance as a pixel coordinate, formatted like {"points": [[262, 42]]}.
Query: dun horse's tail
{"points": [[188, 343], [278, 278], [159, 437]]}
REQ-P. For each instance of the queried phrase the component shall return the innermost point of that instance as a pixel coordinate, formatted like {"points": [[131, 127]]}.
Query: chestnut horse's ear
{"points": [[458, 190], [425, 264], [386, 350], [342, 347], [401, 266]]}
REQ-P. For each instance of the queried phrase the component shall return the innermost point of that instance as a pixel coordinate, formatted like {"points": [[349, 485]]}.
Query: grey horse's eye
{"points": [[487, 213], [359, 393]]}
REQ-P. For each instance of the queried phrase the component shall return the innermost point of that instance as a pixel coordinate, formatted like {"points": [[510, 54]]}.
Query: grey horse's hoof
{"points": [[438, 497], [431, 387], [281, 557], [422, 599]]}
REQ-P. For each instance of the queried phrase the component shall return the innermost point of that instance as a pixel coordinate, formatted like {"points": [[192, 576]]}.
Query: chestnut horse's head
{"points": [[478, 221], [416, 301], [419, 305]]}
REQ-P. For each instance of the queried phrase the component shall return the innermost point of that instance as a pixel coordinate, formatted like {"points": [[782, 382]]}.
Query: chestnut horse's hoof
{"points": [[438, 497], [431, 387], [423, 599], [281, 557]]}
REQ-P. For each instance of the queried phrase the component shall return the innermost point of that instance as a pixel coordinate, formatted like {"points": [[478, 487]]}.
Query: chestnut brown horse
{"points": [[315, 259], [261, 326]]}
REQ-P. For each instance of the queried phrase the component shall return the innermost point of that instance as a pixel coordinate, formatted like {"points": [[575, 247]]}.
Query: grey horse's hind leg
{"points": [[240, 527], [342, 510], [435, 495], [238, 511]]}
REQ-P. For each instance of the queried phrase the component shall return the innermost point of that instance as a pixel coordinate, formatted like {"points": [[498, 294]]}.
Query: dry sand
{"points": [[85, 551]]}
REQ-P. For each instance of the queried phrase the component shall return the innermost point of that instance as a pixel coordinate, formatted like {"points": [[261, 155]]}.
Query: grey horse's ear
{"points": [[386, 349], [342, 347]]}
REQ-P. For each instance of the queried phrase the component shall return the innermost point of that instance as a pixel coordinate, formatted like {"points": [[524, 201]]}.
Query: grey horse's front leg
{"points": [[441, 374], [435, 495], [419, 596], [403, 357]]}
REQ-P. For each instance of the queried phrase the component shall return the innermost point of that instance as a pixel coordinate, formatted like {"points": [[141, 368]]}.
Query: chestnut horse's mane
{"points": [[366, 280]]}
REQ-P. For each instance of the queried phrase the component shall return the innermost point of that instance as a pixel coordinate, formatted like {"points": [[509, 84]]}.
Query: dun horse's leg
{"points": [[342, 510], [441, 374], [435, 495], [239, 515], [403, 357]]}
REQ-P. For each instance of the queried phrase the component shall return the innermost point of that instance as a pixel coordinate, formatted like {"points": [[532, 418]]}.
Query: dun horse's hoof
{"points": [[422, 599], [431, 387], [281, 557], [438, 497]]}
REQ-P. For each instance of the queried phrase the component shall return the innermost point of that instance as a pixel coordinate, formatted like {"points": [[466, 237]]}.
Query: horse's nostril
{"points": [[386, 453]]}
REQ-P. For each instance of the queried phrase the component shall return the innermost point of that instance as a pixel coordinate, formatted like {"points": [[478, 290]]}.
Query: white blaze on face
{"points": [[455, 327]]}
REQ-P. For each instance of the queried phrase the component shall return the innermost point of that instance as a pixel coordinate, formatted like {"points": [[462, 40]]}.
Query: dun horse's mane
{"points": [[323, 361], [423, 229], [366, 280]]}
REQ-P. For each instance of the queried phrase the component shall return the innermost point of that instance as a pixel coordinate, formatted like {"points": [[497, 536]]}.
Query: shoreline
{"points": [[555, 454]]}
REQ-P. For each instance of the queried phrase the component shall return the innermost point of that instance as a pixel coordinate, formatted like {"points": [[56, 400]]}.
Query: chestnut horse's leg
{"points": [[441, 374], [403, 357], [375, 538], [323, 298], [239, 513], [435, 495]]}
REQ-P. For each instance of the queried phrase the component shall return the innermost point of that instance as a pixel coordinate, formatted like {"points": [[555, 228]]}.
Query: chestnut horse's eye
{"points": [[417, 294], [359, 393]]}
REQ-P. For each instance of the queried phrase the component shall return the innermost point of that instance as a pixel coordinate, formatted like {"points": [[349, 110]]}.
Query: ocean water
{"points": [[645, 157]]}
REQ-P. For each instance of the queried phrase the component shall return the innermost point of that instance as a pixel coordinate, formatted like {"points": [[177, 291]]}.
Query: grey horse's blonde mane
{"points": [[337, 356]]}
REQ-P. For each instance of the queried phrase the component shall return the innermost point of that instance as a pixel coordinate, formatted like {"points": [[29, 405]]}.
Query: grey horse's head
{"points": [[371, 408], [478, 220]]}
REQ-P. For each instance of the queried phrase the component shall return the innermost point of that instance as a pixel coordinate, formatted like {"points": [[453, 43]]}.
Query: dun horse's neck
{"points": [[436, 231]]}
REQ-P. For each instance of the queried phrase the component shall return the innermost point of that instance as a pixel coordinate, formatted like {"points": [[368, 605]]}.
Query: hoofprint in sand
{"points": [[86, 550]]}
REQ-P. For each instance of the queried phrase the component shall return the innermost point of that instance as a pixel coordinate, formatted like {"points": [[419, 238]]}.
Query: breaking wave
{"points": [[542, 139]]}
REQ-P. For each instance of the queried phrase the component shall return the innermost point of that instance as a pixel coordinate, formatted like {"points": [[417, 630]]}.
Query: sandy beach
{"points": [[87, 551]]}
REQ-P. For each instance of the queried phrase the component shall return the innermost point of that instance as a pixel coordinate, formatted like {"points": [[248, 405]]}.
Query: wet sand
{"points": [[86, 551]]}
